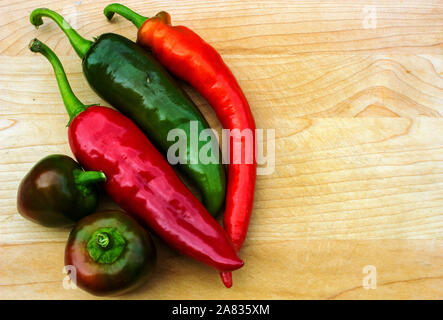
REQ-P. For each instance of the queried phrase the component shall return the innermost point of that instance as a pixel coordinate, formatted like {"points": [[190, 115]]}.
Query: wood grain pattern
{"points": [[359, 146]]}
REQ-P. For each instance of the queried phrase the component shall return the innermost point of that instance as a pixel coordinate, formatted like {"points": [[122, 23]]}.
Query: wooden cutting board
{"points": [[354, 208]]}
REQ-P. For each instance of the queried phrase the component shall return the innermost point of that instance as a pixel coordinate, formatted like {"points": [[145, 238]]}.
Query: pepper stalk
{"points": [[106, 245], [86, 178], [72, 103], [132, 16], [80, 44]]}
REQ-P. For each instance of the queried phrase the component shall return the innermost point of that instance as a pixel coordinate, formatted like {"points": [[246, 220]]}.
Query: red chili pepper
{"points": [[140, 180], [189, 57]]}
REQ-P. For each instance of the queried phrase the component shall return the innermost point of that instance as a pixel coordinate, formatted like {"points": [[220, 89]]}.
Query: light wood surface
{"points": [[358, 178]]}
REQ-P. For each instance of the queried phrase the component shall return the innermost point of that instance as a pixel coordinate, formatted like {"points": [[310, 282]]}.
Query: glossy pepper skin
{"points": [[140, 180], [112, 254], [189, 57], [56, 192], [131, 80]]}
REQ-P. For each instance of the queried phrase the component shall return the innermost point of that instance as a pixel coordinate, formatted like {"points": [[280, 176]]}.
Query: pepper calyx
{"points": [[106, 245], [104, 240]]}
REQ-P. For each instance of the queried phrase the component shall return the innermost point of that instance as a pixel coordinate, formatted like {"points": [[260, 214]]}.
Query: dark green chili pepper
{"points": [[57, 192], [130, 79]]}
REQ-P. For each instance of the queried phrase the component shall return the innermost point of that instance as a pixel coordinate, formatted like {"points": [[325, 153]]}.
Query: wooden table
{"points": [[355, 95]]}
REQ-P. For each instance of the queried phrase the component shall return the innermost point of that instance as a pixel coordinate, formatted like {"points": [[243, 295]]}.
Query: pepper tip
{"points": [[226, 279]]}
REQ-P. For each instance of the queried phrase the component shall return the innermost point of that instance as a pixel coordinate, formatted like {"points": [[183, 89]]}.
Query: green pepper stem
{"points": [[72, 104], [80, 44], [88, 177], [132, 16], [103, 240], [106, 245]]}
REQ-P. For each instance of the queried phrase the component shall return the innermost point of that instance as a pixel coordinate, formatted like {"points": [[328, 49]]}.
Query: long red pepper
{"points": [[189, 57], [139, 179]]}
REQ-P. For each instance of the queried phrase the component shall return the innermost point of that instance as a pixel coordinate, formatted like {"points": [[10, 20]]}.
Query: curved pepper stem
{"points": [[80, 44], [124, 11], [88, 177], [72, 104]]}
